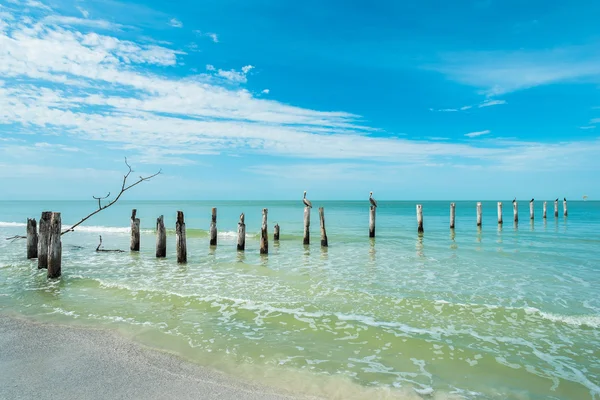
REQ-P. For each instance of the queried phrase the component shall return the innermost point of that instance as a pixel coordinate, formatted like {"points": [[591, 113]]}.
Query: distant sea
{"points": [[497, 312]]}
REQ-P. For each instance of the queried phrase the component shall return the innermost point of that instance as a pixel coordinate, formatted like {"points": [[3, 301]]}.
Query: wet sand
{"points": [[44, 361]]}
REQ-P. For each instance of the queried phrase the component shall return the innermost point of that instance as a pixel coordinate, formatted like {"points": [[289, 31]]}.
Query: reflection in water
{"points": [[545, 224], [516, 225], [420, 245], [324, 253], [241, 256], [453, 245], [479, 234], [531, 225]]}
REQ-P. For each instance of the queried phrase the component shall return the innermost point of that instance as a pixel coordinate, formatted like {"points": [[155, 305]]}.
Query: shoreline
{"points": [[43, 360]]}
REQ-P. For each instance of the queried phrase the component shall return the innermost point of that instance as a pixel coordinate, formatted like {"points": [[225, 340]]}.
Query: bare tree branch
{"points": [[16, 237], [124, 188]]}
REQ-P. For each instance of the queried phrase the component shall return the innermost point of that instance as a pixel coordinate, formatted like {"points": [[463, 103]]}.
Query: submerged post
{"points": [[161, 238], [565, 212], [276, 233], [306, 225], [452, 214], [500, 221], [531, 210], [264, 236], [479, 216], [32, 239], [372, 221], [556, 208], [55, 247], [135, 232], [419, 218], [44, 239], [241, 242], [181, 244], [213, 227], [544, 210], [324, 242], [516, 211]]}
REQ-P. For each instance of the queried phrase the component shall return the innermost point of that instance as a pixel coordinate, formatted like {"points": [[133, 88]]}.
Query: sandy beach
{"points": [[44, 361]]}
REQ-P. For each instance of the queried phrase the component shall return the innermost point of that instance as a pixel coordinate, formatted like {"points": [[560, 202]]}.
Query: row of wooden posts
{"points": [[46, 245]]}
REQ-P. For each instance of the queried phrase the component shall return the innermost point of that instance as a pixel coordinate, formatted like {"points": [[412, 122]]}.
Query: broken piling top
{"points": [[135, 232], [181, 245], [419, 218], [44, 239], [544, 210], [565, 212], [32, 239], [264, 237], [500, 221], [452, 215], [372, 211], [324, 242], [241, 239], [55, 247], [306, 239], [479, 214], [516, 211], [276, 233]]}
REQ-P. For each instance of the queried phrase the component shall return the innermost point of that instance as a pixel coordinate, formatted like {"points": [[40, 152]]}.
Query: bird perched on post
{"points": [[515, 200], [372, 200], [531, 201], [565, 199], [306, 202]]}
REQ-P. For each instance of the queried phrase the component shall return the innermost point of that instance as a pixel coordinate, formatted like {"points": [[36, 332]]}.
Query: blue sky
{"points": [[480, 99]]}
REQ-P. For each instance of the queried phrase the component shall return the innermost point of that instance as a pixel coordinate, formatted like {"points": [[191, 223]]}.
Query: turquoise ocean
{"points": [[510, 312]]}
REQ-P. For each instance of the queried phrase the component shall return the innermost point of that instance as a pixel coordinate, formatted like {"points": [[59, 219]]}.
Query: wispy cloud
{"points": [[265, 91], [213, 36], [83, 12], [489, 103], [75, 21], [486, 103], [499, 72], [478, 133], [233, 75], [588, 127], [174, 22]]}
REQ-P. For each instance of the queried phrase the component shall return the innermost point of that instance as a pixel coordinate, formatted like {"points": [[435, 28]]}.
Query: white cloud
{"points": [[75, 21], [486, 103], [174, 22], [213, 36], [595, 121], [499, 72], [478, 133], [83, 12], [37, 4], [588, 127], [265, 91], [489, 103], [210, 67], [233, 75], [247, 68]]}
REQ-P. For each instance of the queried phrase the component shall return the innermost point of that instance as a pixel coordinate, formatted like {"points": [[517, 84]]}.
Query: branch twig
{"points": [[13, 238], [124, 188], [100, 245]]}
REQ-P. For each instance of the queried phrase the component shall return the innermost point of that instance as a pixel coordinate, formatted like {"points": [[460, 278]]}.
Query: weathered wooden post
{"points": [[544, 210], [161, 238], [419, 218], [372, 211], [565, 212], [556, 208], [324, 242], [531, 210], [516, 211], [500, 221], [452, 214], [32, 239], [55, 247], [181, 244], [241, 242], [479, 216], [213, 227], [44, 239], [135, 232], [264, 236], [306, 225], [276, 233]]}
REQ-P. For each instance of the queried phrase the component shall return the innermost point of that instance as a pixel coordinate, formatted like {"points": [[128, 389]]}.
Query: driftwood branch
{"points": [[16, 237], [98, 249], [124, 188]]}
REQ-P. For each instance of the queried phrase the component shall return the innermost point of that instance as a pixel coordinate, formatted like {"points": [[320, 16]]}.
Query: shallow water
{"points": [[511, 312]]}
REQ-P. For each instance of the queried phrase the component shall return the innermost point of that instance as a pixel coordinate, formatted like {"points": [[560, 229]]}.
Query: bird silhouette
{"points": [[515, 200], [556, 199], [531, 201], [372, 200], [565, 199], [306, 201]]}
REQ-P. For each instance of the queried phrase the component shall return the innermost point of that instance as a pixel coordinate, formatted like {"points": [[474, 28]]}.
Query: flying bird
{"points": [[372, 200], [306, 201]]}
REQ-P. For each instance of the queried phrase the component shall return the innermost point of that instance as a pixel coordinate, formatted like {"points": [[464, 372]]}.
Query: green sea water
{"points": [[509, 312]]}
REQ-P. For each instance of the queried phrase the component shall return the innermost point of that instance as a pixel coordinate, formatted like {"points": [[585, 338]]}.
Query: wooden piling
{"points": [[55, 247], [419, 218], [276, 233], [213, 227], [556, 208], [565, 212], [135, 232], [241, 241], [181, 244], [324, 242], [516, 211], [479, 216], [306, 225], [161, 238], [44, 239], [531, 210], [452, 214], [500, 221], [32, 239], [264, 236], [544, 210], [372, 221]]}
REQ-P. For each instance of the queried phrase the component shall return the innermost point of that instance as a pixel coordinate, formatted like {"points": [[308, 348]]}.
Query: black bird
{"points": [[556, 199], [515, 200], [565, 199], [372, 200], [531, 201], [306, 201]]}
